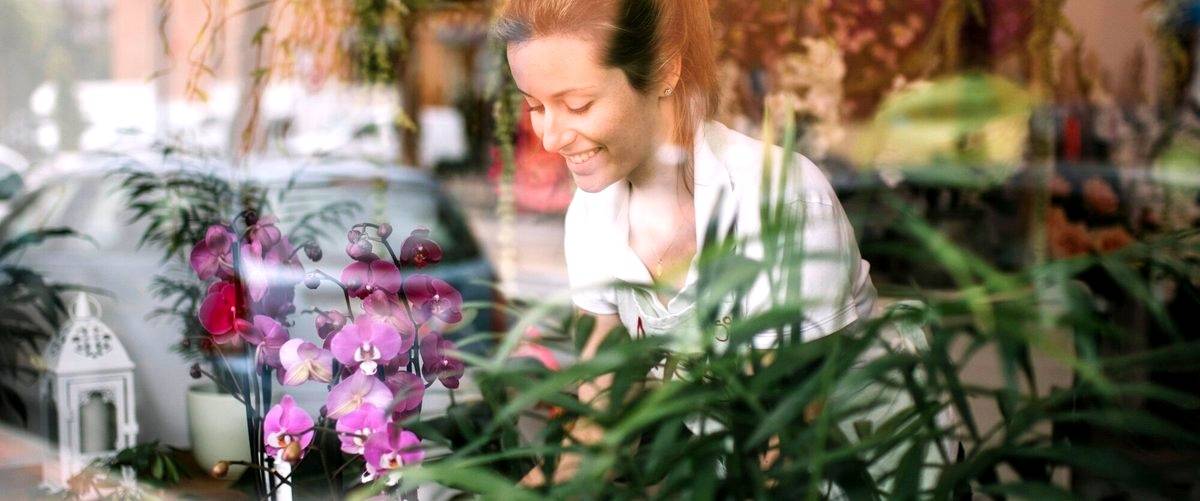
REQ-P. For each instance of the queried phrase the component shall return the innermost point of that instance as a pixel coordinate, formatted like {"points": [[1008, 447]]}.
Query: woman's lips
{"points": [[583, 162]]}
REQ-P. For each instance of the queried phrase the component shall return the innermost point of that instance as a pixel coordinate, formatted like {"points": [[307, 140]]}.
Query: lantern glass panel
{"points": [[98, 424]]}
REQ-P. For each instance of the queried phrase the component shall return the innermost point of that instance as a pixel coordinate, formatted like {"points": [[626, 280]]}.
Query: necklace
{"points": [[658, 266]]}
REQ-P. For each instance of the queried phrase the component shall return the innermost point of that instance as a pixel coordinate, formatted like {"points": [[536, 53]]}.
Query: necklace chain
{"points": [[658, 271]]}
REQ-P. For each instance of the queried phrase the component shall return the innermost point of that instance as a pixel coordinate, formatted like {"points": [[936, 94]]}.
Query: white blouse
{"points": [[836, 286]]}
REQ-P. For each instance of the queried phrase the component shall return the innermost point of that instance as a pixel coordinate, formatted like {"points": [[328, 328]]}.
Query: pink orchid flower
{"points": [[386, 308], [269, 336], [354, 391], [439, 362], [265, 232], [270, 268], [364, 277], [219, 313], [329, 322], [392, 449], [356, 427], [407, 393], [285, 424], [529, 347], [433, 297], [418, 250], [213, 256], [367, 344], [303, 361]]}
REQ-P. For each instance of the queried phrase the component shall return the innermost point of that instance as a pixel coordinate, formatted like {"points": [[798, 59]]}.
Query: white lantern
{"points": [[87, 395]]}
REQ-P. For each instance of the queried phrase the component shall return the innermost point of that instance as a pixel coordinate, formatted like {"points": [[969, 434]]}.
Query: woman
{"points": [[624, 90]]}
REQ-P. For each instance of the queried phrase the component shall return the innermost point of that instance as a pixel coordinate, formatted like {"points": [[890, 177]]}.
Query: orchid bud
{"points": [[321, 412], [359, 251], [312, 280], [220, 469], [353, 236], [195, 371], [251, 217], [292, 453], [337, 318], [313, 251], [384, 230]]}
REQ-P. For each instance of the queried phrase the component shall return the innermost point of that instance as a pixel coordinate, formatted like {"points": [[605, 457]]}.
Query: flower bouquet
{"points": [[376, 360]]}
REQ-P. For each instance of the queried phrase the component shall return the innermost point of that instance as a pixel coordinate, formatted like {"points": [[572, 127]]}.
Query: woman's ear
{"points": [[670, 82]]}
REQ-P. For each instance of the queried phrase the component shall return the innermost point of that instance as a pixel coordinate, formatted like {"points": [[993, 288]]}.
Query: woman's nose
{"points": [[555, 134]]}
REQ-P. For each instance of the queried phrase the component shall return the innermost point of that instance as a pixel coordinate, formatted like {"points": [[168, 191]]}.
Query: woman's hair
{"points": [[640, 37]]}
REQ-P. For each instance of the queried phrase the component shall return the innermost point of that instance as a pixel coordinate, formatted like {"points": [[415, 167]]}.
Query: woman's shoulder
{"points": [[745, 158]]}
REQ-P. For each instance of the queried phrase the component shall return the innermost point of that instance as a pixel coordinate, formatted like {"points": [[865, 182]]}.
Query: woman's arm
{"points": [[590, 392]]}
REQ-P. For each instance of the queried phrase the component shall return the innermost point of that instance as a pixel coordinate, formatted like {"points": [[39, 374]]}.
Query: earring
{"points": [[668, 91]]}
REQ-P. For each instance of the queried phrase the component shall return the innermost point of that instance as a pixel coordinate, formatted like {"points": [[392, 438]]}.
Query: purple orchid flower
{"points": [[418, 250], [433, 297], [392, 449], [213, 256], [285, 424], [407, 393], [303, 361], [356, 427], [367, 344], [354, 391], [219, 313], [439, 363], [269, 336], [364, 277]]}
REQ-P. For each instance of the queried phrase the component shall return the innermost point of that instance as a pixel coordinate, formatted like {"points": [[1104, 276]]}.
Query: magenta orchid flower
{"points": [[367, 344], [303, 361], [285, 424], [418, 250], [433, 297], [219, 313], [392, 449], [407, 393], [364, 277], [269, 336], [213, 256], [439, 362], [354, 391], [356, 427]]}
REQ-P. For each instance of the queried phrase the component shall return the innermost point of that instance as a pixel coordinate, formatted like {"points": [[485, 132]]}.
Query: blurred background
{"points": [[1023, 130]]}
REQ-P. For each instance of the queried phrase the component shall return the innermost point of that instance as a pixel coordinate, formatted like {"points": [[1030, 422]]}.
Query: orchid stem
{"points": [[222, 386], [345, 292], [238, 387]]}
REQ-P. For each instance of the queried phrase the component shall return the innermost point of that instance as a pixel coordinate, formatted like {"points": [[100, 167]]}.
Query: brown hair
{"points": [[643, 37]]}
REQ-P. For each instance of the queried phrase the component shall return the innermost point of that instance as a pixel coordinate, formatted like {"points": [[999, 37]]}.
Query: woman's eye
{"points": [[580, 109]]}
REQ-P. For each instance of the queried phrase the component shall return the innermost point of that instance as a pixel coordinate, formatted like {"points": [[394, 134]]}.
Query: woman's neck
{"points": [[661, 177]]}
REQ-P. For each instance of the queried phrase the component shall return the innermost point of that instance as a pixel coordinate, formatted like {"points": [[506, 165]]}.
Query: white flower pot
{"points": [[217, 428]]}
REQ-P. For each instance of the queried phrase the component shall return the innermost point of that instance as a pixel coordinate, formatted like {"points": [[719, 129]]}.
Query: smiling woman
{"points": [[623, 90]]}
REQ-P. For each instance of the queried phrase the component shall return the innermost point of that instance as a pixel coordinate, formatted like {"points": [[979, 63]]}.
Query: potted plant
{"points": [[173, 205]]}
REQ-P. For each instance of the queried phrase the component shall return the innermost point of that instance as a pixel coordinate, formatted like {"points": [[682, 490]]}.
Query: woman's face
{"points": [[585, 111]]}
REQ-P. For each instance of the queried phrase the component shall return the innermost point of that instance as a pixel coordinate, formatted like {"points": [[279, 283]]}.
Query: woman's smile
{"points": [[584, 162]]}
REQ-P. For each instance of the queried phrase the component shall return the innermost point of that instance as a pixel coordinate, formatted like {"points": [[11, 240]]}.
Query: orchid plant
{"points": [[376, 360]]}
